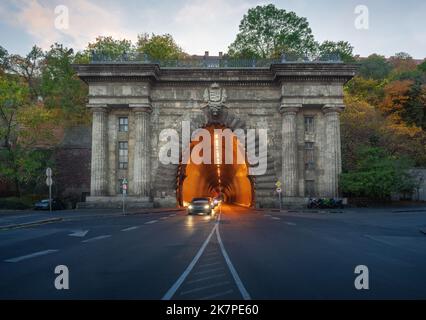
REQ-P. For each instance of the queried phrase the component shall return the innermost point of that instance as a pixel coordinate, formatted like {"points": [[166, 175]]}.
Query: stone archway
{"points": [[168, 178]]}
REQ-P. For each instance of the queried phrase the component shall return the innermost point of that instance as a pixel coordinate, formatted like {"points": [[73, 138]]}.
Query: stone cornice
{"points": [[307, 72]]}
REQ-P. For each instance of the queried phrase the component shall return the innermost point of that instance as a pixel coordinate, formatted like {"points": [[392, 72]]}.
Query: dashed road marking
{"points": [[206, 278], [151, 222], [97, 238], [220, 294], [169, 294], [219, 284], [234, 273], [276, 218], [130, 228], [31, 255], [208, 271], [209, 264], [290, 223]]}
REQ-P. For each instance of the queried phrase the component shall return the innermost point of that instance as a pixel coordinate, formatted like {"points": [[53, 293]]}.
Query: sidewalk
{"points": [[13, 219]]}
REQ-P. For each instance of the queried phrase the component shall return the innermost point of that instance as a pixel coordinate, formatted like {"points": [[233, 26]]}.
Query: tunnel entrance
{"points": [[222, 176]]}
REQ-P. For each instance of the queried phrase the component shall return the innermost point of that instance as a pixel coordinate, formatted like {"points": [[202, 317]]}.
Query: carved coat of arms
{"points": [[215, 97]]}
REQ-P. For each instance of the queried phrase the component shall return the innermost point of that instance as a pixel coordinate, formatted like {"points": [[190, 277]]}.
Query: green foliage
{"points": [[15, 203], [159, 47], [266, 32], [60, 86], [377, 175], [374, 67], [342, 48], [108, 47], [422, 66]]}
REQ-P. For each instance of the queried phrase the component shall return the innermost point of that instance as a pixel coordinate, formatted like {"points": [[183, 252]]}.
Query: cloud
{"points": [[87, 20], [209, 24]]}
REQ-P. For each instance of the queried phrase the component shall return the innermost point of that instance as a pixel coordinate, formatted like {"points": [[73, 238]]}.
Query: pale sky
{"points": [[209, 25]]}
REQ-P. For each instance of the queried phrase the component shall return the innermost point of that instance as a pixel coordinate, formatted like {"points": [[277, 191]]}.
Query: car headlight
{"points": [[190, 207], [206, 206]]}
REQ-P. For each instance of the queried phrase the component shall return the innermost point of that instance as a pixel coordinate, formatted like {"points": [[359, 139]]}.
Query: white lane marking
{"points": [[267, 215], [151, 222], [291, 223], [234, 273], [217, 295], [219, 284], [172, 215], [276, 218], [164, 218], [169, 294], [31, 255], [97, 238], [130, 228], [79, 233]]}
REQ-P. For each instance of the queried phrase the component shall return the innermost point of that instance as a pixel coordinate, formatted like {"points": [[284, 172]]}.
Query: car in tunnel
{"points": [[200, 206]]}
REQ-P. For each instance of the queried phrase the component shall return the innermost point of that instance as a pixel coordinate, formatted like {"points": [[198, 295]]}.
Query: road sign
{"points": [[48, 172], [278, 184], [49, 181], [279, 190]]}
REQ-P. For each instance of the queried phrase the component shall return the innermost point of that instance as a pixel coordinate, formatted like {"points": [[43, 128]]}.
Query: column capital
{"points": [[141, 107], [289, 108], [97, 107], [333, 108]]}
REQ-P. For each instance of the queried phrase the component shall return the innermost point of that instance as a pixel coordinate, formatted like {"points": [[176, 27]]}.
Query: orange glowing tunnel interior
{"points": [[226, 178]]}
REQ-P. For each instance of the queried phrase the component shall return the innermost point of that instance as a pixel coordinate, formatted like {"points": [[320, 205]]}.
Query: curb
{"points": [[30, 224], [156, 211]]}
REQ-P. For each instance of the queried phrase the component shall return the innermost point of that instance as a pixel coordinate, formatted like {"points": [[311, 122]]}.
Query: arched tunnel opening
{"points": [[225, 178]]}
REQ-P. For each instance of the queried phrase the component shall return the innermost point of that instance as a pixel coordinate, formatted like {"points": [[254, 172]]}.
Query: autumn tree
{"points": [[23, 125], [267, 32], [406, 99], [402, 61], [28, 68]]}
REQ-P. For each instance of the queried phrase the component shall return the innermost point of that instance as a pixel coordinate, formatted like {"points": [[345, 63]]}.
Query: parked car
{"points": [[57, 204], [200, 206]]}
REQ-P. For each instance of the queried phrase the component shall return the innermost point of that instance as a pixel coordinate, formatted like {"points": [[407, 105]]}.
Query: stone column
{"points": [[289, 151], [99, 168], [332, 159], [142, 152]]}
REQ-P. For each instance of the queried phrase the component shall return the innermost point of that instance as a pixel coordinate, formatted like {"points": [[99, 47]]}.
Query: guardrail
{"points": [[207, 62]]}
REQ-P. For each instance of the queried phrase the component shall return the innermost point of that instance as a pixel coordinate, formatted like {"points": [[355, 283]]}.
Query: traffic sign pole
{"points": [[279, 191], [49, 183], [124, 193]]}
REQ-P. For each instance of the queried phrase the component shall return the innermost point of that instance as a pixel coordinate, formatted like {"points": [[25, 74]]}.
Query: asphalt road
{"points": [[237, 254]]}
